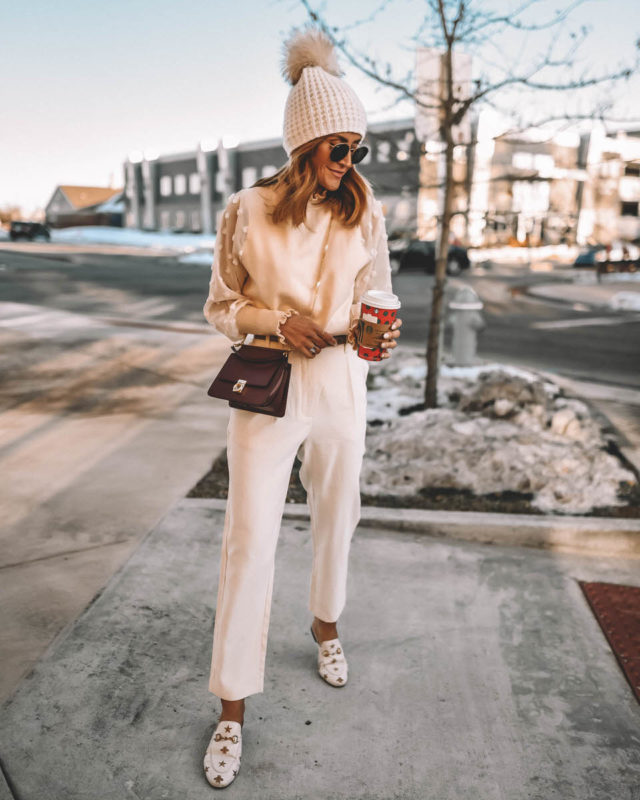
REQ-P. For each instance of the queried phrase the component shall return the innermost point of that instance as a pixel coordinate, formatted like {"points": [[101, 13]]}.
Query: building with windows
{"points": [[187, 191], [535, 188], [509, 189], [610, 196]]}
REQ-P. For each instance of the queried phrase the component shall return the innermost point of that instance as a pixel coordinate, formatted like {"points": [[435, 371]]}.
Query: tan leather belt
{"points": [[260, 340]]}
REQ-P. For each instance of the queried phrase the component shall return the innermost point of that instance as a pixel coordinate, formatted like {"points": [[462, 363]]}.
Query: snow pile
{"points": [[522, 255], [133, 237], [497, 429], [627, 301]]}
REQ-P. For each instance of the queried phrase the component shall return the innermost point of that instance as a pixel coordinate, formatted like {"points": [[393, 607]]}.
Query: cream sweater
{"points": [[262, 272]]}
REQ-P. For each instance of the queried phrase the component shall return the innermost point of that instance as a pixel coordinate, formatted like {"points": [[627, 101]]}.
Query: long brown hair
{"points": [[296, 181]]}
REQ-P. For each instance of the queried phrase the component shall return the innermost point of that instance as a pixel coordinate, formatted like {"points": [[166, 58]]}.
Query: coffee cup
{"points": [[378, 311]]}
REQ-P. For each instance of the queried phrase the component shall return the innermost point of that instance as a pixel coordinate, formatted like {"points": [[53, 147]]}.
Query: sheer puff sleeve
{"points": [[226, 308], [376, 273]]}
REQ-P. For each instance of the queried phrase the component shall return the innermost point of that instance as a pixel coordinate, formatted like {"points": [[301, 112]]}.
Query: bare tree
{"points": [[453, 26]]}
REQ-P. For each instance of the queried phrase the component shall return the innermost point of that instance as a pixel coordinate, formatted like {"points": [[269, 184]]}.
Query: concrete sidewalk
{"points": [[610, 294], [475, 672], [84, 484]]}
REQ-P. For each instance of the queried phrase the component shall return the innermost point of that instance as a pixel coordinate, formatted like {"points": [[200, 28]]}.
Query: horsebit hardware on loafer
{"points": [[219, 737]]}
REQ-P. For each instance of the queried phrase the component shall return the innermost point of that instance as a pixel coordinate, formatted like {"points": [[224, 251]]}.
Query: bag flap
{"points": [[255, 373]]}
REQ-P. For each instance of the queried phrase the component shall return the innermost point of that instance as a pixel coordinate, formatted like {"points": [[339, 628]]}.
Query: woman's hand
{"points": [[302, 333], [389, 338]]}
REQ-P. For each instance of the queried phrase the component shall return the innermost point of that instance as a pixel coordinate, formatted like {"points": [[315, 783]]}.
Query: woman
{"points": [[292, 257]]}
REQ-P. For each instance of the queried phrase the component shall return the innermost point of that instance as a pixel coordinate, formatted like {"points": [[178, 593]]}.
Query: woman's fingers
{"points": [[389, 338], [318, 342], [312, 347], [327, 338]]}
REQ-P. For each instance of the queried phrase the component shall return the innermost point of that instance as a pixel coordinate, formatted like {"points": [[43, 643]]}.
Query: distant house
{"points": [[85, 205]]}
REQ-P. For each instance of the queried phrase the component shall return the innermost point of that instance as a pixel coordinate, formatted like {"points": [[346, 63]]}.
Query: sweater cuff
{"points": [[264, 321], [284, 316]]}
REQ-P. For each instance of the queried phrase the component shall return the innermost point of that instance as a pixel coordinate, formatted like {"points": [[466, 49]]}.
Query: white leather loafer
{"points": [[222, 759], [332, 665]]}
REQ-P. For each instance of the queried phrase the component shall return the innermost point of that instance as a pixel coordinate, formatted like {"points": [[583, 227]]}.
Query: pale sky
{"points": [[84, 84]]}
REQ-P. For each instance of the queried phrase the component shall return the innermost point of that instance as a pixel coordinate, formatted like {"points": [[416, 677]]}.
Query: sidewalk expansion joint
{"points": [[64, 553]]}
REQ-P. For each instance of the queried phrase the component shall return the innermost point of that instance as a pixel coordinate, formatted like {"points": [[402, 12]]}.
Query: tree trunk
{"points": [[437, 304]]}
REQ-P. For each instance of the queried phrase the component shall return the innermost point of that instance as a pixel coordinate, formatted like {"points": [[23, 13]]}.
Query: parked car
{"points": [[28, 230], [619, 257], [415, 255]]}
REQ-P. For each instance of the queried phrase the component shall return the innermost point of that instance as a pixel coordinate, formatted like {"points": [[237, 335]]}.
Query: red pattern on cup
{"points": [[381, 316]]}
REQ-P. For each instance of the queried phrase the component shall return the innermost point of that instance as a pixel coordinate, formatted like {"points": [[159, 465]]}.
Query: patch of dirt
{"points": [[216, 484]]}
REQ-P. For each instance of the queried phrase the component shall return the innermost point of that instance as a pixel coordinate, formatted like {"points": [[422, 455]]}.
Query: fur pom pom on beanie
{"points": [[320, 102]]}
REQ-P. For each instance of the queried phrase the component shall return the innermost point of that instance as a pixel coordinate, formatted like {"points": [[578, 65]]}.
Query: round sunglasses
{"points": [[339, 151]]}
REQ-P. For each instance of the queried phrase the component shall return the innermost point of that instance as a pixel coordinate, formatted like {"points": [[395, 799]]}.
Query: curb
{"points": [[598, 536]]}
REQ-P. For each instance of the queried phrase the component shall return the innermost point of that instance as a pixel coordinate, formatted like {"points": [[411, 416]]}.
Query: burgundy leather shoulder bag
{"points": [[254, 379]]}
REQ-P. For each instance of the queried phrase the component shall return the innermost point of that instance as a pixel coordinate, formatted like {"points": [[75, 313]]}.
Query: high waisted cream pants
{"points": [[326, 420]]}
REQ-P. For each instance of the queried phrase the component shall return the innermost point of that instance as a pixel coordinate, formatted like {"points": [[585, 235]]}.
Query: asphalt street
{"points": [[519, 328], [530, 331]]}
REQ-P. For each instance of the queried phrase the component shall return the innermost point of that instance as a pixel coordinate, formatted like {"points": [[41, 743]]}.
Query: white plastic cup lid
{"points": [[380, 299]]}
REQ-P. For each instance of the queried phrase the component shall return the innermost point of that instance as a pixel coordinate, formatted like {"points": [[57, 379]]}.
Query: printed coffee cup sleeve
{"points": [[368, 333]]}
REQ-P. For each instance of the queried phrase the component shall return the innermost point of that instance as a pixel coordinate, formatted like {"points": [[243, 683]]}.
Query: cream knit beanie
{"points": [[319, 102]]}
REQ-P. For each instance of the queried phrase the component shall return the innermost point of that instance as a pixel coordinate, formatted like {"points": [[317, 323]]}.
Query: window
{"points": [[632, 169], [544, 164], [629, 209], [194, 183], [610, 169], [221, 182], [180, 219], [165, 219], [404, 146], [180, 184], [522, 160], [195, 221], [383, 152], [249, 176], [165, 185], [268, 171]]}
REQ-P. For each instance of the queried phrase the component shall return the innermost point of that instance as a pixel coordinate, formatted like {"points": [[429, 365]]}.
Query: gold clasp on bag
{"points": [[238, 386]]}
